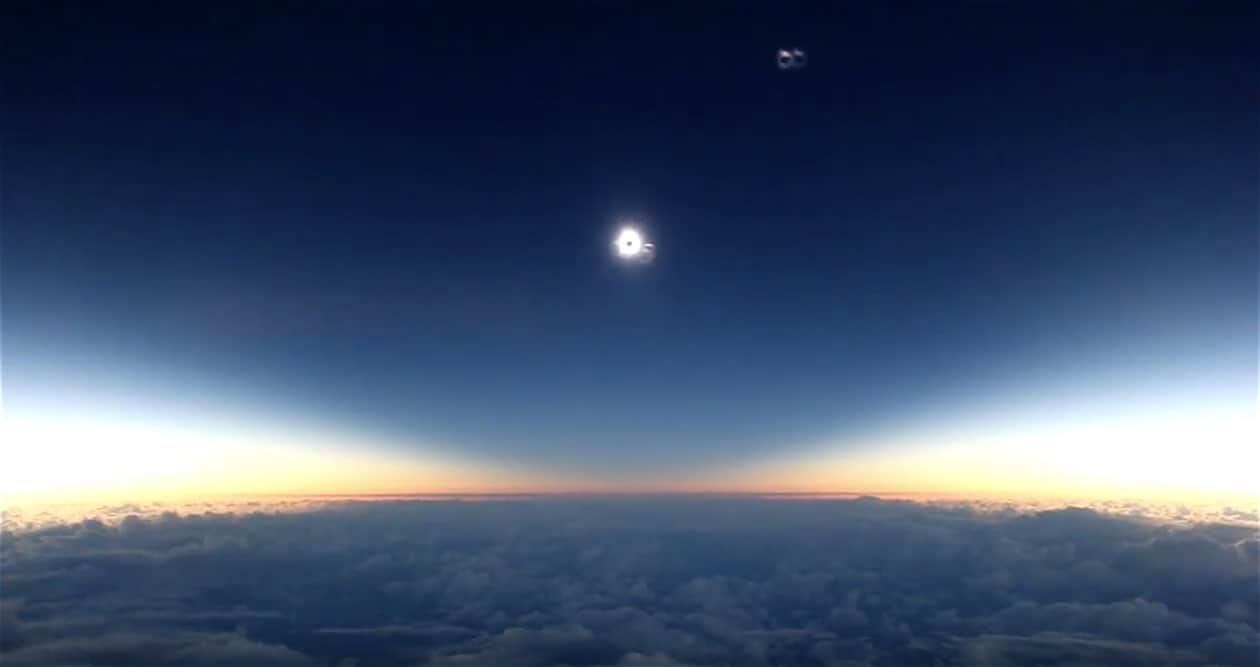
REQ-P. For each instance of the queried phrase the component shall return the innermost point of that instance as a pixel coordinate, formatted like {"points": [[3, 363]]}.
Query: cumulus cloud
{"points": [[664, 582]]}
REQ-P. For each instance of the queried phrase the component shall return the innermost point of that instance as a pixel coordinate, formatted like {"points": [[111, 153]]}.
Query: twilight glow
{"points": [[1173, 449], [335, 335], [1032, 286]]}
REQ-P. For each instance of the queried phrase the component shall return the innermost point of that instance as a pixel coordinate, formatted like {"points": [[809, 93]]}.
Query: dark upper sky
{"points": [[397, 218]]}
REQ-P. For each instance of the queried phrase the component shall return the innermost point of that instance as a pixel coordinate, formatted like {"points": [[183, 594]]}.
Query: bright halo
{"points": [[629, 242]]}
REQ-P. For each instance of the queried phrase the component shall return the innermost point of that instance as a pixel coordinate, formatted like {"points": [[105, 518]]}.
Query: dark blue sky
{"points": [[396, 219]]}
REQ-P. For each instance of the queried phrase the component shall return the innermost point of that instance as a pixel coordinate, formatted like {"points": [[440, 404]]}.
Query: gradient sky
{"points": [[320, 248]]}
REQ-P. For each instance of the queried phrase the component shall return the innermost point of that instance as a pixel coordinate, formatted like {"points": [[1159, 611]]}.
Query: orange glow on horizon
{"points": [[1172, 461]]}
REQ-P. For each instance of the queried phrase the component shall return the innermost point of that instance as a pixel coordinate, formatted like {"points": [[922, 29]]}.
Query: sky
{"points": [[989, 249]]}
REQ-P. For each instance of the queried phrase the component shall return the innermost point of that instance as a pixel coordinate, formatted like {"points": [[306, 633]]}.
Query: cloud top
{"points": [[664, 581]]}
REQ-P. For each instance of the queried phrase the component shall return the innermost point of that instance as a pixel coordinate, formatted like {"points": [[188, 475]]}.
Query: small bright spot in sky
{"points": [[791, 59], [629, 242], [630, 245]]}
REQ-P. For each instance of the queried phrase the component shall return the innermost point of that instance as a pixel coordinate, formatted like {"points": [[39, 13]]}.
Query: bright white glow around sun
{"points": [[632, 246], [629, 242]]}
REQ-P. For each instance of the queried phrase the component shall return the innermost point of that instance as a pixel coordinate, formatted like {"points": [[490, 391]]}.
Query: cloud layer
{"points": [[631, 582]]}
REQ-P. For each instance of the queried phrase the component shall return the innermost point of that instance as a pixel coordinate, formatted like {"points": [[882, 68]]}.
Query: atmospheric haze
{"points": [[338, 335]]}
